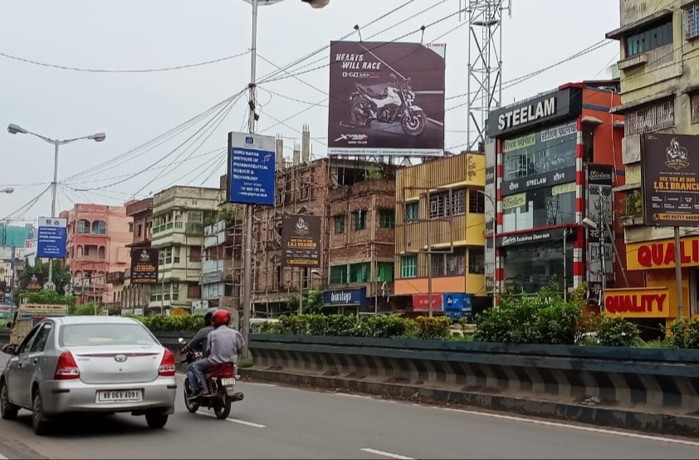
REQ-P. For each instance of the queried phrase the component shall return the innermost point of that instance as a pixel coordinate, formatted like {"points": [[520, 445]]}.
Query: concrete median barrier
{"points": [[639, 389]]}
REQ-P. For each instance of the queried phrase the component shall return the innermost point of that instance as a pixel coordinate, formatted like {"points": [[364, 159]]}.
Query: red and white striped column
{"points": [[578, 265], [499, 174]]}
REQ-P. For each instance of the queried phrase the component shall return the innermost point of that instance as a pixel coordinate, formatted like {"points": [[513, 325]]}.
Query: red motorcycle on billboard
{"points": [[386, 103]]}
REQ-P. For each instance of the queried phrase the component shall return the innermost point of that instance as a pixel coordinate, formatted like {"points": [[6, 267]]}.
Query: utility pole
{"points": [[249, 209]]}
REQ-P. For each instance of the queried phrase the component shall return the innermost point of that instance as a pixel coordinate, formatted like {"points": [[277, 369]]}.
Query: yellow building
{"points": [[179, 214], [659, 74], [440, 215]]}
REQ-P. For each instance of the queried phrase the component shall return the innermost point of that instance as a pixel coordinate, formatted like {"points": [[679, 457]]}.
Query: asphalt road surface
{"points": [[279, 422]]}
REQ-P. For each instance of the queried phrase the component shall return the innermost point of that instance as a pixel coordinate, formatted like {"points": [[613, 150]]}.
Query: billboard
{"points": [[670, 166], [144, 266], [251, 169], [301, 241], [51, 240], [386, 98]]}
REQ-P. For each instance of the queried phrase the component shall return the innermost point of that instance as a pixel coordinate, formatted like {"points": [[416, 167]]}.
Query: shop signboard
{"points": [[546, 179], [251, 169], [670, 172], [373, 88], [638, 302], [548, 108], [456, 304], [660, 254], [538, 236], [421, 302], [345, 297], [52, 236]]}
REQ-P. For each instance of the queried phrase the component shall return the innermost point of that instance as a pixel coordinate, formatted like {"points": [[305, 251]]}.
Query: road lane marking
{"points": [[235, 420], [572, 427], [386, 454]]}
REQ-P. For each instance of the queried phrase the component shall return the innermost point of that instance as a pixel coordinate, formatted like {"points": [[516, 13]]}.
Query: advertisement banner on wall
{"points": [[600, 180], [670, 166], [144, 266], [301, 241], [386, 98]]}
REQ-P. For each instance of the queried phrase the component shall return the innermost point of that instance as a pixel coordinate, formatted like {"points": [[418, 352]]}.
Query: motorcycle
{"points": [[386, 103], [220, 381]]}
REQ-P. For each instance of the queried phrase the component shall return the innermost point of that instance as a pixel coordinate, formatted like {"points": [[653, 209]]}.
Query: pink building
{"points": [[97, 239]]}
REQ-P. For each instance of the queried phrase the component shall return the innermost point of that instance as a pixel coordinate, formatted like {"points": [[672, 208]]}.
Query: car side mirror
{"points": [[10, 349]]}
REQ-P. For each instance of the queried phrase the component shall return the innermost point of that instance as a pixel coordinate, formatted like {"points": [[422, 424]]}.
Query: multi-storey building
{"points": [[303, 187], [659, 95], [361, 243], [134, 298], [179, 214], [222, 251], [552, 161], [97, 236], [439, 254]]}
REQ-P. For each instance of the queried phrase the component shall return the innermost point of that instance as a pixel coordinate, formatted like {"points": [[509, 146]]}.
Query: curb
{"points": [[655, 423]]}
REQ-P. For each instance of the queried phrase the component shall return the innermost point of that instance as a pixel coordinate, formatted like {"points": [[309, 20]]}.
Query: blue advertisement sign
{"points": [[344, 297], [456, 304], [51, 239], [251, 169]]}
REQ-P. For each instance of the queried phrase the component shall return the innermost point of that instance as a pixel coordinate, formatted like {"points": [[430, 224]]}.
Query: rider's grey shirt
{"points": [[223, 344]]}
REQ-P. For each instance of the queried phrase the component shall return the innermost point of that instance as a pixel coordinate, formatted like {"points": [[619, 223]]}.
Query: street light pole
{"points": [[249, 209], [98, 137]]}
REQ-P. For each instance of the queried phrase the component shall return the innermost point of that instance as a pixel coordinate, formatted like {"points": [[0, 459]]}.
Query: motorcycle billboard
{"points": [[386, 98]]}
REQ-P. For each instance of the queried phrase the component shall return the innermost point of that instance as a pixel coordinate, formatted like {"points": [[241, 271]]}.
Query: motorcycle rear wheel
{"points": [[191, 405], [222, 409]]}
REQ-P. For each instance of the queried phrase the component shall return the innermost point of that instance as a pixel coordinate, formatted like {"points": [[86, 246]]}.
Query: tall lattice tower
{"points": [[484, 64]]}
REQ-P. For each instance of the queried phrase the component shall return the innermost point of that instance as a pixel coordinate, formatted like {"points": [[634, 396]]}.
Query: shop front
{"points": [[345, 300]]}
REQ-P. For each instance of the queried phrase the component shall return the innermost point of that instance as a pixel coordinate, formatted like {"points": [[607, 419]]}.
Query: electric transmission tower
{"points": [[484, 64]]}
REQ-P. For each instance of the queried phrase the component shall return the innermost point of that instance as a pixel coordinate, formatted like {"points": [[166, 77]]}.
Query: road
{"points": [[279, 422]]}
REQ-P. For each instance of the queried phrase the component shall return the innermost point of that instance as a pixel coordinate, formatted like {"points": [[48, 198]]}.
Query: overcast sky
{"points": [[133, 108]]}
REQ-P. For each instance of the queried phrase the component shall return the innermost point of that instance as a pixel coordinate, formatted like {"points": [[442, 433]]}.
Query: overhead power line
{"points": [[94, 70]]}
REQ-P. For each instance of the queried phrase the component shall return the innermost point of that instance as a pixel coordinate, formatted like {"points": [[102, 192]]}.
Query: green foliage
{"points": [[87, 309], [312, 302], [48, 297], [373, 172], [61, 277], [615, 331], [383, 326], [633, 204], [684, 333], [659, 344], [543, 318], [157, 323]]}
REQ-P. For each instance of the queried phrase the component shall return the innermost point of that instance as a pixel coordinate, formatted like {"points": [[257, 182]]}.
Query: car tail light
{"points": [[67, 368], [167, 365]]}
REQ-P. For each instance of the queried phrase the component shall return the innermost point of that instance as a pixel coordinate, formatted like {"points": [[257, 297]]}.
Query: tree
{"points": [[312, 302], [47, 297], [61, 275]]}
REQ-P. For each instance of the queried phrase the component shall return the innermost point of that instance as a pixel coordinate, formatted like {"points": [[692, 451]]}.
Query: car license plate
{"points": [[227, 382], [117, 396]]}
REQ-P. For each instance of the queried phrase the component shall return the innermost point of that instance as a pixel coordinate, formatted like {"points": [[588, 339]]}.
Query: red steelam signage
{"points": [[421, 302]]}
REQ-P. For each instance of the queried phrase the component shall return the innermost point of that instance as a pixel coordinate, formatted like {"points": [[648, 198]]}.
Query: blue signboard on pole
{"points": [[251, 169], [51, 239]]}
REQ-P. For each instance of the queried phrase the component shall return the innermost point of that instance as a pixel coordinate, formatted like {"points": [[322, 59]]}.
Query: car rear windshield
{"points": [[86, 335]]}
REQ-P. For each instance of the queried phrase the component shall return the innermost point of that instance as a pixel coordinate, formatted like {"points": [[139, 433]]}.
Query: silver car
{"points": [[80, 364]]}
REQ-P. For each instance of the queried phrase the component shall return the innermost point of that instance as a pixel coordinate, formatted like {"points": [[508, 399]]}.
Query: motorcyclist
{"points": [[222, 346], [198, 343]]}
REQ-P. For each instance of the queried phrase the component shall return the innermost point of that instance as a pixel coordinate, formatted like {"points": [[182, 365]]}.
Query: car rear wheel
{"points": [[39, 423], [156, 420], [8, 411]]}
